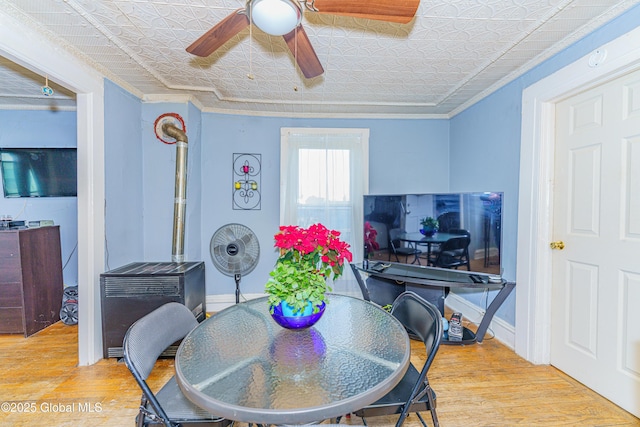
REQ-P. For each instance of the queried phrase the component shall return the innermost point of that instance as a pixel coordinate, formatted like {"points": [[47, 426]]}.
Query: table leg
{"points": [[417, 257], [428, 245]]}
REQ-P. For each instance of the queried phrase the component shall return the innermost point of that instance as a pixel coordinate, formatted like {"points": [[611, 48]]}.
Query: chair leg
{"points": [[405, 411], [434, 418], [432, 407], [141, 416], [421, 419]]}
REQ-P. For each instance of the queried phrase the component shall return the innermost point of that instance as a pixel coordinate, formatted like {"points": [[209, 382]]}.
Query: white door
{"points": [[595, 307]]}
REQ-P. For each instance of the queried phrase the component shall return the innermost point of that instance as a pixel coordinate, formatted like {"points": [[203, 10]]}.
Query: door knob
{"points": [[557, 245]]}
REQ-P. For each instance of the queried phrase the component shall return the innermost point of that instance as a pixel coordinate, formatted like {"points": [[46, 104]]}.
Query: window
{"points": [[324, 174]]}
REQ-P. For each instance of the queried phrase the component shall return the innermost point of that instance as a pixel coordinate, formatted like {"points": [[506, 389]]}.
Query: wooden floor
{"points": [[477, 385]]}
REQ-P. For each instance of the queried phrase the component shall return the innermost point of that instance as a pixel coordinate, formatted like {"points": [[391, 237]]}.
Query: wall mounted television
{"points": [[39, 172], [479, 213]]}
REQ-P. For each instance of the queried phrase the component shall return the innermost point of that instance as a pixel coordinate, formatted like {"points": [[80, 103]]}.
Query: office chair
{"points": [[143, 343], [413, 393]]}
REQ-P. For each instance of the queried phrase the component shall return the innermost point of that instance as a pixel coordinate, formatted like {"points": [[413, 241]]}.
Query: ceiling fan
{"points": [[284, 17]]}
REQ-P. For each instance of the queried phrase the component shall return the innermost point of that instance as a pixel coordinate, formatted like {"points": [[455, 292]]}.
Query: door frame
{"points": [[535, 204], [30, 49]]}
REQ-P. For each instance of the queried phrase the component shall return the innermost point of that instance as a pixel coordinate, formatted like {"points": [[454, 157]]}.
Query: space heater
{"points": [[134, 290]]}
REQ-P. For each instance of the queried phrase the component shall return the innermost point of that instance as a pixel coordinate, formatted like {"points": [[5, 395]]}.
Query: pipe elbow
{"points": [[174, 132]]}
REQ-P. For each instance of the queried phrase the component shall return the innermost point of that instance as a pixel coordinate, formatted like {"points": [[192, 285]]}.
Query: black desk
{"points": [[386, 281]]}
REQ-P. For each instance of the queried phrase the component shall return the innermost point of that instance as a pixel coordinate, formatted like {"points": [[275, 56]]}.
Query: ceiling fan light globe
{"points": [[275, 17]]}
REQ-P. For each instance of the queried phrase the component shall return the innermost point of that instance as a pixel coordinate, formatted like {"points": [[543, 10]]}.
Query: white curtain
{"points": [[324, 174]]}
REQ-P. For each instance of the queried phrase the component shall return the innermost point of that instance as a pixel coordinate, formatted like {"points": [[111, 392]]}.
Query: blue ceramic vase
{"points": [[284, 316], [428, 230]]}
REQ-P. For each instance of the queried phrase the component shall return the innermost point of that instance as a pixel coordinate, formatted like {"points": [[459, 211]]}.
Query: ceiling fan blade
{"points": [[301, 48], [400, 11], [210, 41]]}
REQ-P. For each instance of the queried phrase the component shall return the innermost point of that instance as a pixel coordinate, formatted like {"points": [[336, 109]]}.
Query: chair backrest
{"points": [[394, 237], [422, 319], [448, 220], [455, 243], [149, 336], [460, 231], [453, 253]]}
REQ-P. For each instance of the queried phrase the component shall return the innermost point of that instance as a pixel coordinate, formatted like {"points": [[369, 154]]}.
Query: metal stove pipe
{"points": [[180, 199]]}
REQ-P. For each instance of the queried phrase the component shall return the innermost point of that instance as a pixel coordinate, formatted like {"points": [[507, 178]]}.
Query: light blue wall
{"points": [[485, 138], [193, 223], [25, 128], [476, 150], [123, 177], [140, 177], [408, 156], [404, 156], [158, 172]]}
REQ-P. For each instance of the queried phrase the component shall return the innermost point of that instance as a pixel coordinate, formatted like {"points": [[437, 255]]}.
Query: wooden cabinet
{"points": [[30, 279]]}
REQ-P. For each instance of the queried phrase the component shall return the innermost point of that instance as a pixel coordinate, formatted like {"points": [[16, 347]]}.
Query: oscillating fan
{"points": [[235, 251]]}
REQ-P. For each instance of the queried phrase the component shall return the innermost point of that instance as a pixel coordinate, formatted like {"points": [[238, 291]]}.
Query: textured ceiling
{"points": [[450, 55]]}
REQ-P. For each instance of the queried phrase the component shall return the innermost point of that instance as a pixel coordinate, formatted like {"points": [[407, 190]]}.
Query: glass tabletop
{"points": [[417, 237], [240, 364]]}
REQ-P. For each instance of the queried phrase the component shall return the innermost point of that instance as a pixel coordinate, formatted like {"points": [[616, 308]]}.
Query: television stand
{"points": [[386, 281]]}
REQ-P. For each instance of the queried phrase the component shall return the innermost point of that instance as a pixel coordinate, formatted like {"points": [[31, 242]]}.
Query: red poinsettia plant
{"points": [[308, 257], [370, 243]]}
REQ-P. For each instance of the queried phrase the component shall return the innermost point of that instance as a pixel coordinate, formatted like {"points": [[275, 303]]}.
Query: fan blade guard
{"points": [[234, 249]]}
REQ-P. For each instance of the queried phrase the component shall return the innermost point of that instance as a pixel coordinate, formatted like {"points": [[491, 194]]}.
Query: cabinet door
{"points": [[9, 258], [11, 309], [11, 320], [41, 277]]}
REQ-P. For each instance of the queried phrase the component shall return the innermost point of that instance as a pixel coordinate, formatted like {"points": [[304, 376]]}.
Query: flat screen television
{"points": [[39, 172], [478, 214]]}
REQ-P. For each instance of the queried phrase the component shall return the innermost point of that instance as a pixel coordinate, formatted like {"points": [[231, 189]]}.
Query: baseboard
{"points": [[503, 332], [217, 303]]}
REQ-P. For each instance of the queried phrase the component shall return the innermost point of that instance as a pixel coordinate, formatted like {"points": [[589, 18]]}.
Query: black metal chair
{"points": [[460, 232], [143, 343], [398, 249], [463, 232], [448, 221], [413, 394], [453, 253]]}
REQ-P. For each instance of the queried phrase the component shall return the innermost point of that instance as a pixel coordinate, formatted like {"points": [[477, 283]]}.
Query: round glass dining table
{"points": [[241, 365]]}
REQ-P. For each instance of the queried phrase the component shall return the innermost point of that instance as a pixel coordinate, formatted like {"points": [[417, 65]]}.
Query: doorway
{"points": [[28, 48], [596, 279], [535, 225]]}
